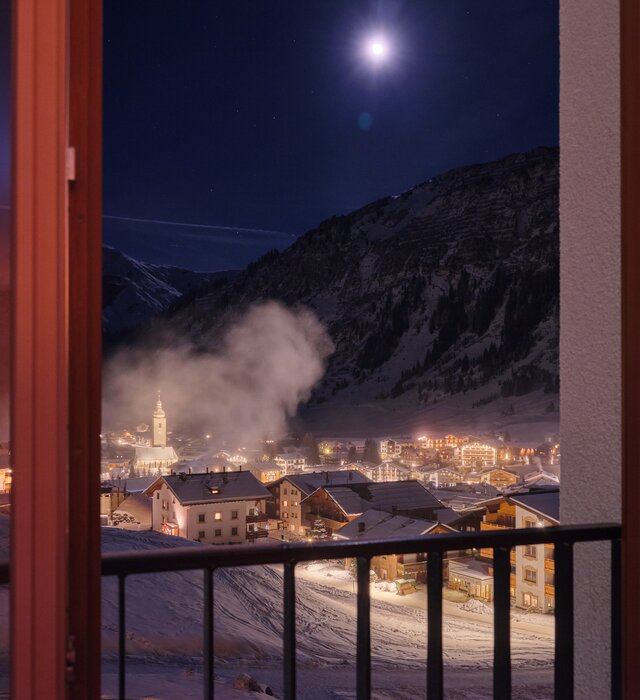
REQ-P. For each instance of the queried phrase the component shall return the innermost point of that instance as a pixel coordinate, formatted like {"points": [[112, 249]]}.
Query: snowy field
{"points": [[164, 635]]}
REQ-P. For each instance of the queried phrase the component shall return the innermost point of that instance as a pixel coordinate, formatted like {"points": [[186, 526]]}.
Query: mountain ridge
{"points": [[446, 291]]}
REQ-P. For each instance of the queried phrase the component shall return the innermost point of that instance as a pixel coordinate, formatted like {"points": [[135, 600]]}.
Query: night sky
{"points": [[268, 115]]}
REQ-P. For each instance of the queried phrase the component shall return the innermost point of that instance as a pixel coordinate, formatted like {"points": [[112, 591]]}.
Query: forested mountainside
{"points": [[440, 300]]}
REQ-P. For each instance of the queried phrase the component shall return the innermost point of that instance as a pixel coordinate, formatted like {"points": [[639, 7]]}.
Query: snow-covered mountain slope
{"points": [[442, 302], [134, 291]]}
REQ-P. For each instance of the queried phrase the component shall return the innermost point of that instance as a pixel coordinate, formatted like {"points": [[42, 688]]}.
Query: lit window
{"points": [[285, 503], [217, 515]]}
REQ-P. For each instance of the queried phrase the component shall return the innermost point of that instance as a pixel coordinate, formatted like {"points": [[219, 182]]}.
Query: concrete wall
{"points": [[590, 311]]}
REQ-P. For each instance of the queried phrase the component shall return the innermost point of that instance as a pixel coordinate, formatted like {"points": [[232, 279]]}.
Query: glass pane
{"points": [[331, 272]]}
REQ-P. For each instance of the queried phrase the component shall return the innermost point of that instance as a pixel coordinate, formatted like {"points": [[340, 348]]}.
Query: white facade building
{"points": [[477, 454], [226, 508], [290, 462]]}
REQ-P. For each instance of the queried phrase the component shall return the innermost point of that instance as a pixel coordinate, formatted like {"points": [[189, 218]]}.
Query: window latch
{"points": [[71, 164]]}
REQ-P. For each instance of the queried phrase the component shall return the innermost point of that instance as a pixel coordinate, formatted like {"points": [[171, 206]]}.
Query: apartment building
{"points": [[289, 491], [223, 508]]}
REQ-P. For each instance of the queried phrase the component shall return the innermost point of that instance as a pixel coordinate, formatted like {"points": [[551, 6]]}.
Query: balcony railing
{"points": [[208, 559], [257, 518]]}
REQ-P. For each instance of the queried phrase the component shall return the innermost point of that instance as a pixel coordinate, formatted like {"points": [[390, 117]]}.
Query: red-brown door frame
{"points": [[56, 348], [85, 341]]}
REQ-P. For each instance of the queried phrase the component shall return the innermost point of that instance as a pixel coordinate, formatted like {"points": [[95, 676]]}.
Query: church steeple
{"points": [[159, 425]]}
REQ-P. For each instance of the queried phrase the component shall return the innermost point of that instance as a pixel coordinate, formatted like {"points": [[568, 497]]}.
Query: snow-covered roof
{"points": [[137, 485], [213, 488], [546, 502], [264, 466], [308, 483], [470, 569], [380, 524], [355, 498], [138, 506], [156, 454]]}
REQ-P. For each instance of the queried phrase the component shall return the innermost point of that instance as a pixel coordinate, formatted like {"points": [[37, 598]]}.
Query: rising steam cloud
{"points": [[243, 389]]}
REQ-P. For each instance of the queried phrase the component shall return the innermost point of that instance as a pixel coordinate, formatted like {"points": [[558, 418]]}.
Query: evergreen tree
{"points": [[310, 449], [371, 453]]}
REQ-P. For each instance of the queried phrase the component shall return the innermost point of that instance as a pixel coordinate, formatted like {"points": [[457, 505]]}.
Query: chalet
{"points": [[379, 524], [541, 477], [289, 491], [471, 577], [338, 504], [223, 508], [445, 477], [533, 567], [500, 478]]}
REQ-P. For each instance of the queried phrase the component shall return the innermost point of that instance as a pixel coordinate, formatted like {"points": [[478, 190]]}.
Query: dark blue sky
{"points": [[245, 113]]}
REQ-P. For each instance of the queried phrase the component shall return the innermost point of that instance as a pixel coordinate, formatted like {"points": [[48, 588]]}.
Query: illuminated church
{"points": [[156, 458]]}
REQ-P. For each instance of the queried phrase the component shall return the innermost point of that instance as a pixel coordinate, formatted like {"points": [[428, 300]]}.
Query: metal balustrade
{"points": [[208, 559]]}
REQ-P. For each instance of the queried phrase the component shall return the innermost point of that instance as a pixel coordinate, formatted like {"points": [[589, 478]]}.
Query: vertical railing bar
{"points": [[122, 638], [501, 623], [208, 634], [563, 581], [435, 686], [616, 620], [363, 660], [289, 631]]}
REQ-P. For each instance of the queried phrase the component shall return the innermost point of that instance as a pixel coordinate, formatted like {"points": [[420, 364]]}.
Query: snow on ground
{"points": [[164, 635]]}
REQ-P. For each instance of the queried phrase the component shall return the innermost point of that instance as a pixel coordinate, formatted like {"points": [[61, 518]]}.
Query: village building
{"points": [[222, 508], [388, 470], [500, 478], [134, 513], [477, 454], [533, 566], [339, 504], [540, 478], [265, 472], [289, 491], [444, 476], [379, 524], [290, 462], [471, 577]]}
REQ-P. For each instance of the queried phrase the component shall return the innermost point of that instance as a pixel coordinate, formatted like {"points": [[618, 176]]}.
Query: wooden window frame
{"points": [[56, 353]]}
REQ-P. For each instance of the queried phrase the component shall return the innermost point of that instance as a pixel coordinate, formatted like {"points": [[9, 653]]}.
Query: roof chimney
{"points": [[207, 470], [361, 527]]}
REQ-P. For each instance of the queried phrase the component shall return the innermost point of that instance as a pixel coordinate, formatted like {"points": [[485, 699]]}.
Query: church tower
{"points": [[159, 425]]}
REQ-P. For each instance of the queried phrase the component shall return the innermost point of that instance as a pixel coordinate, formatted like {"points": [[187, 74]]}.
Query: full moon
{"points": [[378, 49]]}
